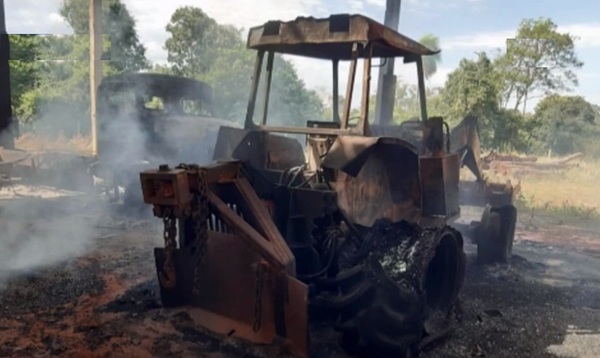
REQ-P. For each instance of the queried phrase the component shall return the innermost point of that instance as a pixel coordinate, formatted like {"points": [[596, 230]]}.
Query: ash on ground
{"points": [[104, 303]]}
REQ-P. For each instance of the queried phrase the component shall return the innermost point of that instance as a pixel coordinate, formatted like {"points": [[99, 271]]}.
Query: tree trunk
{"points": [[524, 103], [518, 100], [508, 95]]}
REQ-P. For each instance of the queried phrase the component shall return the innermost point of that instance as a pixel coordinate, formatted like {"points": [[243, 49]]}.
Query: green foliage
{"points": [[560, 122], [291, 102], [407, 103], [63, 83], [430, 63], [127, 54], [57, 86], [200, 47], [193, 38], [473, 88], [230, 78], [126, 51], [24, 72], [538, 59], [510, 131]]}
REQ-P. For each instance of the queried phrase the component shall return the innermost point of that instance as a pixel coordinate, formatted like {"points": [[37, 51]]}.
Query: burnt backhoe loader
{"points": [[355, 231]]}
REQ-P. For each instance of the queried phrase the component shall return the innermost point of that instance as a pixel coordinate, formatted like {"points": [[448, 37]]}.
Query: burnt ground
{"points": [[104, 303]]}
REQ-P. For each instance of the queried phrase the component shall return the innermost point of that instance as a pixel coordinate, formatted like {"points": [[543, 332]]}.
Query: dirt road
{"points": [[104, 302]]}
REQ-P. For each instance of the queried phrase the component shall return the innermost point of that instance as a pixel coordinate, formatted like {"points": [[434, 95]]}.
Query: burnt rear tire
{"points": [[402, 307]]}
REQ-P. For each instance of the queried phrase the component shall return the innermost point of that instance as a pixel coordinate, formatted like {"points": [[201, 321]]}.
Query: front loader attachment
{"points": [[228, 262]]}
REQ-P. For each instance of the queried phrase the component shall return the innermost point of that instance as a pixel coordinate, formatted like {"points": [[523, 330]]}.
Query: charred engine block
{"points": [[305, 212]]}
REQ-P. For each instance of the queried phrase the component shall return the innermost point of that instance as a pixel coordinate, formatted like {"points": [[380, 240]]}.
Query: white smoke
{"points": [[44, 226]]}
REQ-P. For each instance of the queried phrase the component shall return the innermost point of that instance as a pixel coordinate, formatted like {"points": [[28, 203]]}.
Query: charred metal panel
{"points": [[230, 139], [261, 149], [375, 178], [440, 176], [283, 153]]}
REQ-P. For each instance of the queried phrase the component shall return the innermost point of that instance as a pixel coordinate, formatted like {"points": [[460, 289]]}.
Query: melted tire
{"points": [[412, 289]]}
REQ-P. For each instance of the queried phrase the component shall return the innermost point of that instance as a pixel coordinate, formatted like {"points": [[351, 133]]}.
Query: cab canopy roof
{"points": [[333, 37]]}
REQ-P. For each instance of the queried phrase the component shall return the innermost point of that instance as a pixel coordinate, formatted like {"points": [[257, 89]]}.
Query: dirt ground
{"points": [[102, 301]]}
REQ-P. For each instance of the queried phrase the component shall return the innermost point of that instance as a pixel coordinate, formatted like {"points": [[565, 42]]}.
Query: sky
{"points": [[464, 27]]}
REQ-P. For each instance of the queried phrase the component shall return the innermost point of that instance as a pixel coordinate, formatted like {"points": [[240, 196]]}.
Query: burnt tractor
{"points": [[356, 230], [145, 119]]}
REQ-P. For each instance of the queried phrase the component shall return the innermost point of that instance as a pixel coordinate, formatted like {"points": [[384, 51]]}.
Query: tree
{"points": [[24, 72], [127, 53], [60, 101], [201, 48], [560, 122], [430, 63], [61, 97], [291, 102], [538, 59], [407, 102], [475, 88], [194, 37], [230, 78]]}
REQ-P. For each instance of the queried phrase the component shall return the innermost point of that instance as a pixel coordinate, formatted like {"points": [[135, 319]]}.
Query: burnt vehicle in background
{"points": [[355, 232], [147, 118]]}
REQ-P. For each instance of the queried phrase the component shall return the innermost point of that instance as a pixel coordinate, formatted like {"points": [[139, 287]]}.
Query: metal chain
{"points": [[168, 278], [258, 297], [199, 214]]}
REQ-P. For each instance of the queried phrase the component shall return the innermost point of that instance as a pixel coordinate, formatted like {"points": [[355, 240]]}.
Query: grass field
{"points": [[570, 195], [576, 186]]}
